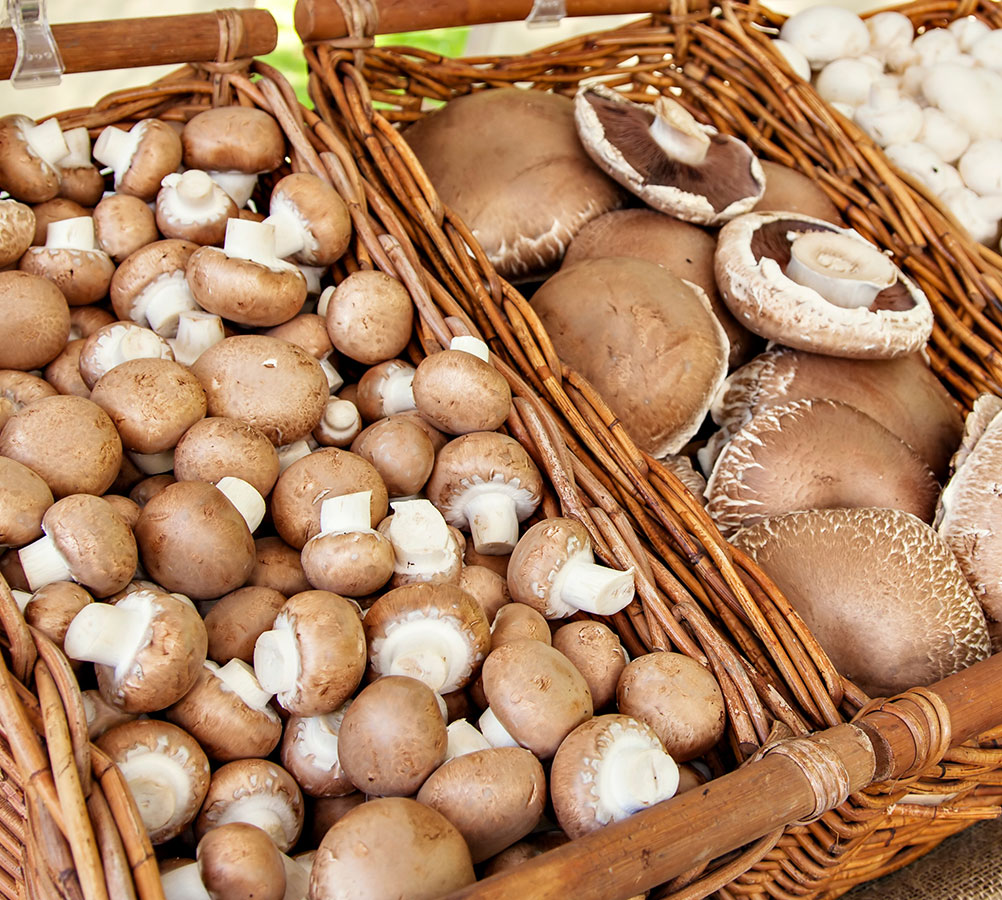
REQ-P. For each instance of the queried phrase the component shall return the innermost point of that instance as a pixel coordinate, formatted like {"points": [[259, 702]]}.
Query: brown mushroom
{"points": [[369, 316], [340, 424], [192, 207], [122, 225], [425, 548], [237, 619], [52, 607], [310, 753], [140, 157], [72, 261], [515, 621], [55, 210], [63, 373], [597, 654], [113, 344], [79, 178], [239, 861], [29, 154], [487, 587], [400, 451], [216, 446], [36, 321], [312, 225], [385, 390], [17, 230], [150, 288], [18, 389], [278, 566], [788, 190], [85, 320], [23, 502]]}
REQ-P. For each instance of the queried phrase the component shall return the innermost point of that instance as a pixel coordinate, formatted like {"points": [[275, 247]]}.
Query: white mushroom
{"points": [[979, 215], [798, 62], [849, 80], [987, 50], [936, 45], [823, 33], [888, 117], [889, 31], [924, 165], [968, 30], [981, 166], [942, 135], [973, 97]]}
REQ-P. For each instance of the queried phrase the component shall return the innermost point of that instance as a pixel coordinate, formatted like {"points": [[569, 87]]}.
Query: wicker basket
{"points": [[68, 827]]}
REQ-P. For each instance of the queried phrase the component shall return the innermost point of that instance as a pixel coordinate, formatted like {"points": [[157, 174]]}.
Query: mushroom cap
{"points": [[878, 588], [616, 134], [53, 607], [815, 454], [233, 139], [306, 330], [55, 210], [128, 509], [82, 184], [309, 752], [216, 446], [157, 155], [122, 225], [249, 789], [63, 373], [82, 276], [131, 745], [18, 389], [17, 230], [239, 861], [683, 249], [794, 192], [422, 606], [23, 502], [678, 698], [203, 221], [320, 207], [302, 488], [536, 693], [222, 723], [392, 737], [276, 386], [141, 269], [237, 619], [527, 187], [352, 563], [370, 317], [70, 441], [110, 344], [95, 541], [243, 291], [36, 321], [662, 357], [406, 848], [753, 254], [192, 539], [85, 320], [278, 566], [24, 175], [152, 402], [494, 797], [459, 392], [597, 654], [487, 587], [371, 392], [902, 394], [400, 451], [515, 621]]}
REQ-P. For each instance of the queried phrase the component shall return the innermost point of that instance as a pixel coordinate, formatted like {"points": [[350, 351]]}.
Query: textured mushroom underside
{"points": [[881, 592], [752, 255]]}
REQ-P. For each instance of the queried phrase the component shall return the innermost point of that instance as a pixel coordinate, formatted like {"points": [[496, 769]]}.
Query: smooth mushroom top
{"points": [[881, 573], [36, 321], [370, 317], [400, 450], [17, 230], [458, 392], [815, 454], [122, 225], [233, 139], [241, 860], [306, 330], [319, 214], [509, 162], [24, 500], [216, 446], [516, 620], [666, 157], [805, 283], [788, 190], [238, 618], [278, 566], [597, 653]]}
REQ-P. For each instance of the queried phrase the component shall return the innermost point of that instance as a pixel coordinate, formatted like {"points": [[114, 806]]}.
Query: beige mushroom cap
{"points": [[678, 698], [370, 317], [23, 502], [597, 654], [122, 225], [233, 139], [53, 607], [310, 753], [528, 185], [82, 276], [663, 354], [146, 265], [494, 797], [278, 566], [458, 392], [514, 621], [405, 848], [216, 446], [36, 320], [791, 191], [400, 451], [239, 861], [880, 591], [158, 154], [815, 454], [17, 230], [320, 209], [238, 618]]}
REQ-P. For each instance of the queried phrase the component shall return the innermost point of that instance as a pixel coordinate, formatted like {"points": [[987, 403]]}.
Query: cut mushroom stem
{"points": [[493, 520], [464, 738], [105, 634], [340, 425], [635, 777], [495, 733], [194, 198], [254, 241], [21, 598], [43, 563], [47, 141], [166, 298], [71, 234], [78, 148], [292, 231], [240, 678], [292, 453], [238, 185], [347, 513], [246, 498], [334, 380], [197, 331], [115, 148], [594, 588], [276, 658], [845, 271], [678, 133], [420, 537], [397, 391], [469, 344]]}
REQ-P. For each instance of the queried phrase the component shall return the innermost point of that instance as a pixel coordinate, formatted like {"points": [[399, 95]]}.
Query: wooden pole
{"points": [[155, 41], [658, 844], [322, 20]]}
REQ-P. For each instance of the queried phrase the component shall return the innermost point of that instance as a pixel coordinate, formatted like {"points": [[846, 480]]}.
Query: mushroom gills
{"points": [[318, 738], [845, 271]]}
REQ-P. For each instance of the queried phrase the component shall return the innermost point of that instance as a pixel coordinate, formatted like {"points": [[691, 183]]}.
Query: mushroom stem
{"points": [[194, 188], [495, 733], [340, 424], [245, 497], [464, 738], [164, 300], [184, 883], [427, 664], [115, 148], [334, 380], [276, 658], [319, 738], [290, 453], [47, 141], [196, 332], [593, 588], [71, 234], [238, 185], [258, 809], [845, 271], [420, 537], [397, 392], [78, 148], [469, 344], [21, 598], [153, 463], [254, 241], [240, 678], [108, 635], [677, 133], [43, 563], [347, 513], [636, 777], [493, 523], [292, 231]]}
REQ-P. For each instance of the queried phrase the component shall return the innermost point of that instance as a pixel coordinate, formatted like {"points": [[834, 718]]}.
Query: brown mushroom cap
{"points": [[678, 698], [879, 589], [405, 847], [18, 389], [152, 402], [148, 266], [302, 488], [63, 373], [352, 563], [494, 797], [385, 390], [157, 155], [307, 330], [52, 608], [85, 320], [278, 566], [192, 539], [112, 344], [146, 489], [216, 446], [270, 383], [487, 587], [23, 502], [122, 225], [392, 737], [233, 139], [792, 191], [82, 276], [127, 508], [370, 317], [902, 394], [256, 791], [515, 621], [815, 454], [683, 249], [753, 266], [400, 451], [529, 186], [596, 653], [237, 619], [238, 861], [619, 135], [69, 441], [319, 210], [536, 693], [17, 230], [36, 321], [23, 173], [155, 759], [310, 753], [459, 392], [663, 355]]}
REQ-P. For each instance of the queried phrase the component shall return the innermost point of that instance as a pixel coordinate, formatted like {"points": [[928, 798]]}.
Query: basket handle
{"points": [[323, 20], [160, 40]]}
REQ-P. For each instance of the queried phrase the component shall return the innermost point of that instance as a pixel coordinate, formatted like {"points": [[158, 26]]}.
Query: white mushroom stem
{"points": [[46, 141], [162, 302], [153, 463], [591, 587], [469, 344], [464, 738], [845, 271], [334, 380], [347, 513], [422, 543], [21, 598], [677, 133], [312, 274], [240, 678], [192, 197], [633, 776], [493, 520], [71, 234], [78, 149], [196, 332], [292, 228], [297, 876], [245, 497], [184, 883], [324, 300], [290, 453], [276, 658], [432, 650], [238, 185], [318, 738], [115, 148], [43, 563], [495, 733], [158, 783], [254, 241], [340, 424], [396, 391], [110, 635]]}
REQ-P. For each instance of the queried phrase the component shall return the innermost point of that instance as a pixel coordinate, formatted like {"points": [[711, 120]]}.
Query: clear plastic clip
{"points": [[546, 13], [38, 61]]}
